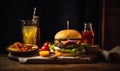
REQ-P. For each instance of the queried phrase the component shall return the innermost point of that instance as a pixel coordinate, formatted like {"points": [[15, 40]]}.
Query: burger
{"points": [[68, 43]]}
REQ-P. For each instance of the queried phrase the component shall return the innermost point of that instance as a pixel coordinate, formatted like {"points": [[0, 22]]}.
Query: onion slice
{"points": [[71, 40]]}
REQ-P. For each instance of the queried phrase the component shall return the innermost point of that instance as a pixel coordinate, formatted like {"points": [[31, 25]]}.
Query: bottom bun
{"points": [[58, 53]]}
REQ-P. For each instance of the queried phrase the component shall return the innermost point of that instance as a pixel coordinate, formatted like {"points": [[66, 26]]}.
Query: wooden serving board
{"points": [[53, 59]]}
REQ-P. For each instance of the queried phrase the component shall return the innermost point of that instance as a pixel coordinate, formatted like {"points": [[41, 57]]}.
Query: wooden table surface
{"points": [[10, 65]]}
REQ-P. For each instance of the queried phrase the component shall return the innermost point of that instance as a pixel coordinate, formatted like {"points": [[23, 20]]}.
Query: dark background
{"points": [[112, 25], [53, 16]]}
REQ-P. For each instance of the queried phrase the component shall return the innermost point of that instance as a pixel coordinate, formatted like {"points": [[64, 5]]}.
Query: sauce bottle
{"points": [[87, 34]]}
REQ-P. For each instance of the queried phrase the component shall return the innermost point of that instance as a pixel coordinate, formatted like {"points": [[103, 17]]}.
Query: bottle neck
{"points": [[91, 27], [88, 27], [35, 20]]}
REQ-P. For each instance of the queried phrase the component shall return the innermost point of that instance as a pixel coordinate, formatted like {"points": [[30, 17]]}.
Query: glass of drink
{"points": [[29, 31]]}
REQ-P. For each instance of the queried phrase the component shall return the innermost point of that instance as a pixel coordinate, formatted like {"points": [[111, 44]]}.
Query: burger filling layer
{"points": [[68, 45]]}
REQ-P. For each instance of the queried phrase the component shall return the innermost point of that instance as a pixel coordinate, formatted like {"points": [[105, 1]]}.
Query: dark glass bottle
{"points": [[36, 21], [87, 34]]}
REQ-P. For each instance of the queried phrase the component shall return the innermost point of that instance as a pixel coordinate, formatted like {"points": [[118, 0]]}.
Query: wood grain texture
{"points": [[10, 65]]}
